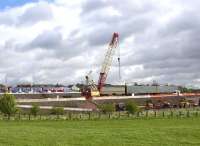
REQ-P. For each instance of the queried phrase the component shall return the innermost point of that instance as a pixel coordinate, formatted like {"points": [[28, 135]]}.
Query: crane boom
{"points": [[108, 60]]}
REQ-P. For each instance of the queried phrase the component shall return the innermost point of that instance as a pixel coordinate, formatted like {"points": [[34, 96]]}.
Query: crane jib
{"points": [[108, 60]]}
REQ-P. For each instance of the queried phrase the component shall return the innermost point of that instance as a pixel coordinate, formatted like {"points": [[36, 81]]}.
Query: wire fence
{"points": [[147, 114]]}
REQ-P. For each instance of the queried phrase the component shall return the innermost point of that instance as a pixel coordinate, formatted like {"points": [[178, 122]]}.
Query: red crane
{"points": [[108, 60], [90, 89]]}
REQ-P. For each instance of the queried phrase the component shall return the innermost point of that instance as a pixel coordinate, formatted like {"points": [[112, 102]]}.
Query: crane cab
{"points": [[88, 93]]}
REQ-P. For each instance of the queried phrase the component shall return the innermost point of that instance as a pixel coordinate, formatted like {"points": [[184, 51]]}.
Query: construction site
{"points": [[87, 96], [99, 73]]}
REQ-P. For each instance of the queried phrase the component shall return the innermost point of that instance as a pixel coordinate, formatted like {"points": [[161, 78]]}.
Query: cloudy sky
{"points": [[59, 41]]}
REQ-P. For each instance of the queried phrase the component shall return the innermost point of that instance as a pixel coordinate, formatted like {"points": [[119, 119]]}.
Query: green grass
{"points": [[148, 132]]}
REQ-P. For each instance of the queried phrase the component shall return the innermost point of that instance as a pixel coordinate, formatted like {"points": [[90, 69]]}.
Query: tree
{"points": [[185, 89], [34, 109], [131, 107], [8, 104], [107, 108]]}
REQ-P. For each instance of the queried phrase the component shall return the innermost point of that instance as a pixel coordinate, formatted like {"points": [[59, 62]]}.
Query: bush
{"points": [[131, 107], [34, 110], [8, 105], [57, 111], [107, 108]]}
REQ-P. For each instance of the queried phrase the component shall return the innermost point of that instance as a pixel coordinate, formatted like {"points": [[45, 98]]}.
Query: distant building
{"points": [[137, 89], [132, 89], [39, 88], [113, 90]]}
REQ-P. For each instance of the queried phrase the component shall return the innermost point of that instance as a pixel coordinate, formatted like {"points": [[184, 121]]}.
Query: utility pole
{"points": [[119, 63]]}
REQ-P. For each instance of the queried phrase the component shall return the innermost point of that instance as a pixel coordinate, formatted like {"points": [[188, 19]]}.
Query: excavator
{"points": [[90, 89]]}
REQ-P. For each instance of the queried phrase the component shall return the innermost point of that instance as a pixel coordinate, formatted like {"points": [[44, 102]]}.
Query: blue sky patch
{"points": [[13, 3]]}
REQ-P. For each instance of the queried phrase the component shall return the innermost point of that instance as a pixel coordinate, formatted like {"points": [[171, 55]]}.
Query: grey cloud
{"points": [[92, 5], [6, 20], [36, 13], [47, 40], [132, 19], [40, 11], [52, 44], [127, 8], [102, 33], [180, 40], [186, 21]]}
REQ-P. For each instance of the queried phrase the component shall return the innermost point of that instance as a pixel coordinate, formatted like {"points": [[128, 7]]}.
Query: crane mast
{"points": [[108, 60]]}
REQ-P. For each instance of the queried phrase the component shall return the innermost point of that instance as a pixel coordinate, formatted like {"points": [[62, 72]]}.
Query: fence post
{"points": [[70, 115], [89, 114], [80, 116], [196, 114], [109, 115], [155, 114], [172, 114], [138, 114], [147, 113], [163, 114], [40, 117], [19, 116], [66, 116], [180, 113], [57, 116], [119, 114], [29, 116], [188, 113], [99, 115]]}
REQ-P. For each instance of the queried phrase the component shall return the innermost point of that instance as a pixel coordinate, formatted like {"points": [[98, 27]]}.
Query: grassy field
{"points": [[147, 132]]}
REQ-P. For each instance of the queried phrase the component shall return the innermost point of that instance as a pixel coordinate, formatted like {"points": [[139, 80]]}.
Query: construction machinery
{"points": [[91, 89]]}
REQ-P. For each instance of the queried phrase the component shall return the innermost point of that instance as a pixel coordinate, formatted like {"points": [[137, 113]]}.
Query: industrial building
{"points": [[144, 89], [113, 90], [137, 89]]}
